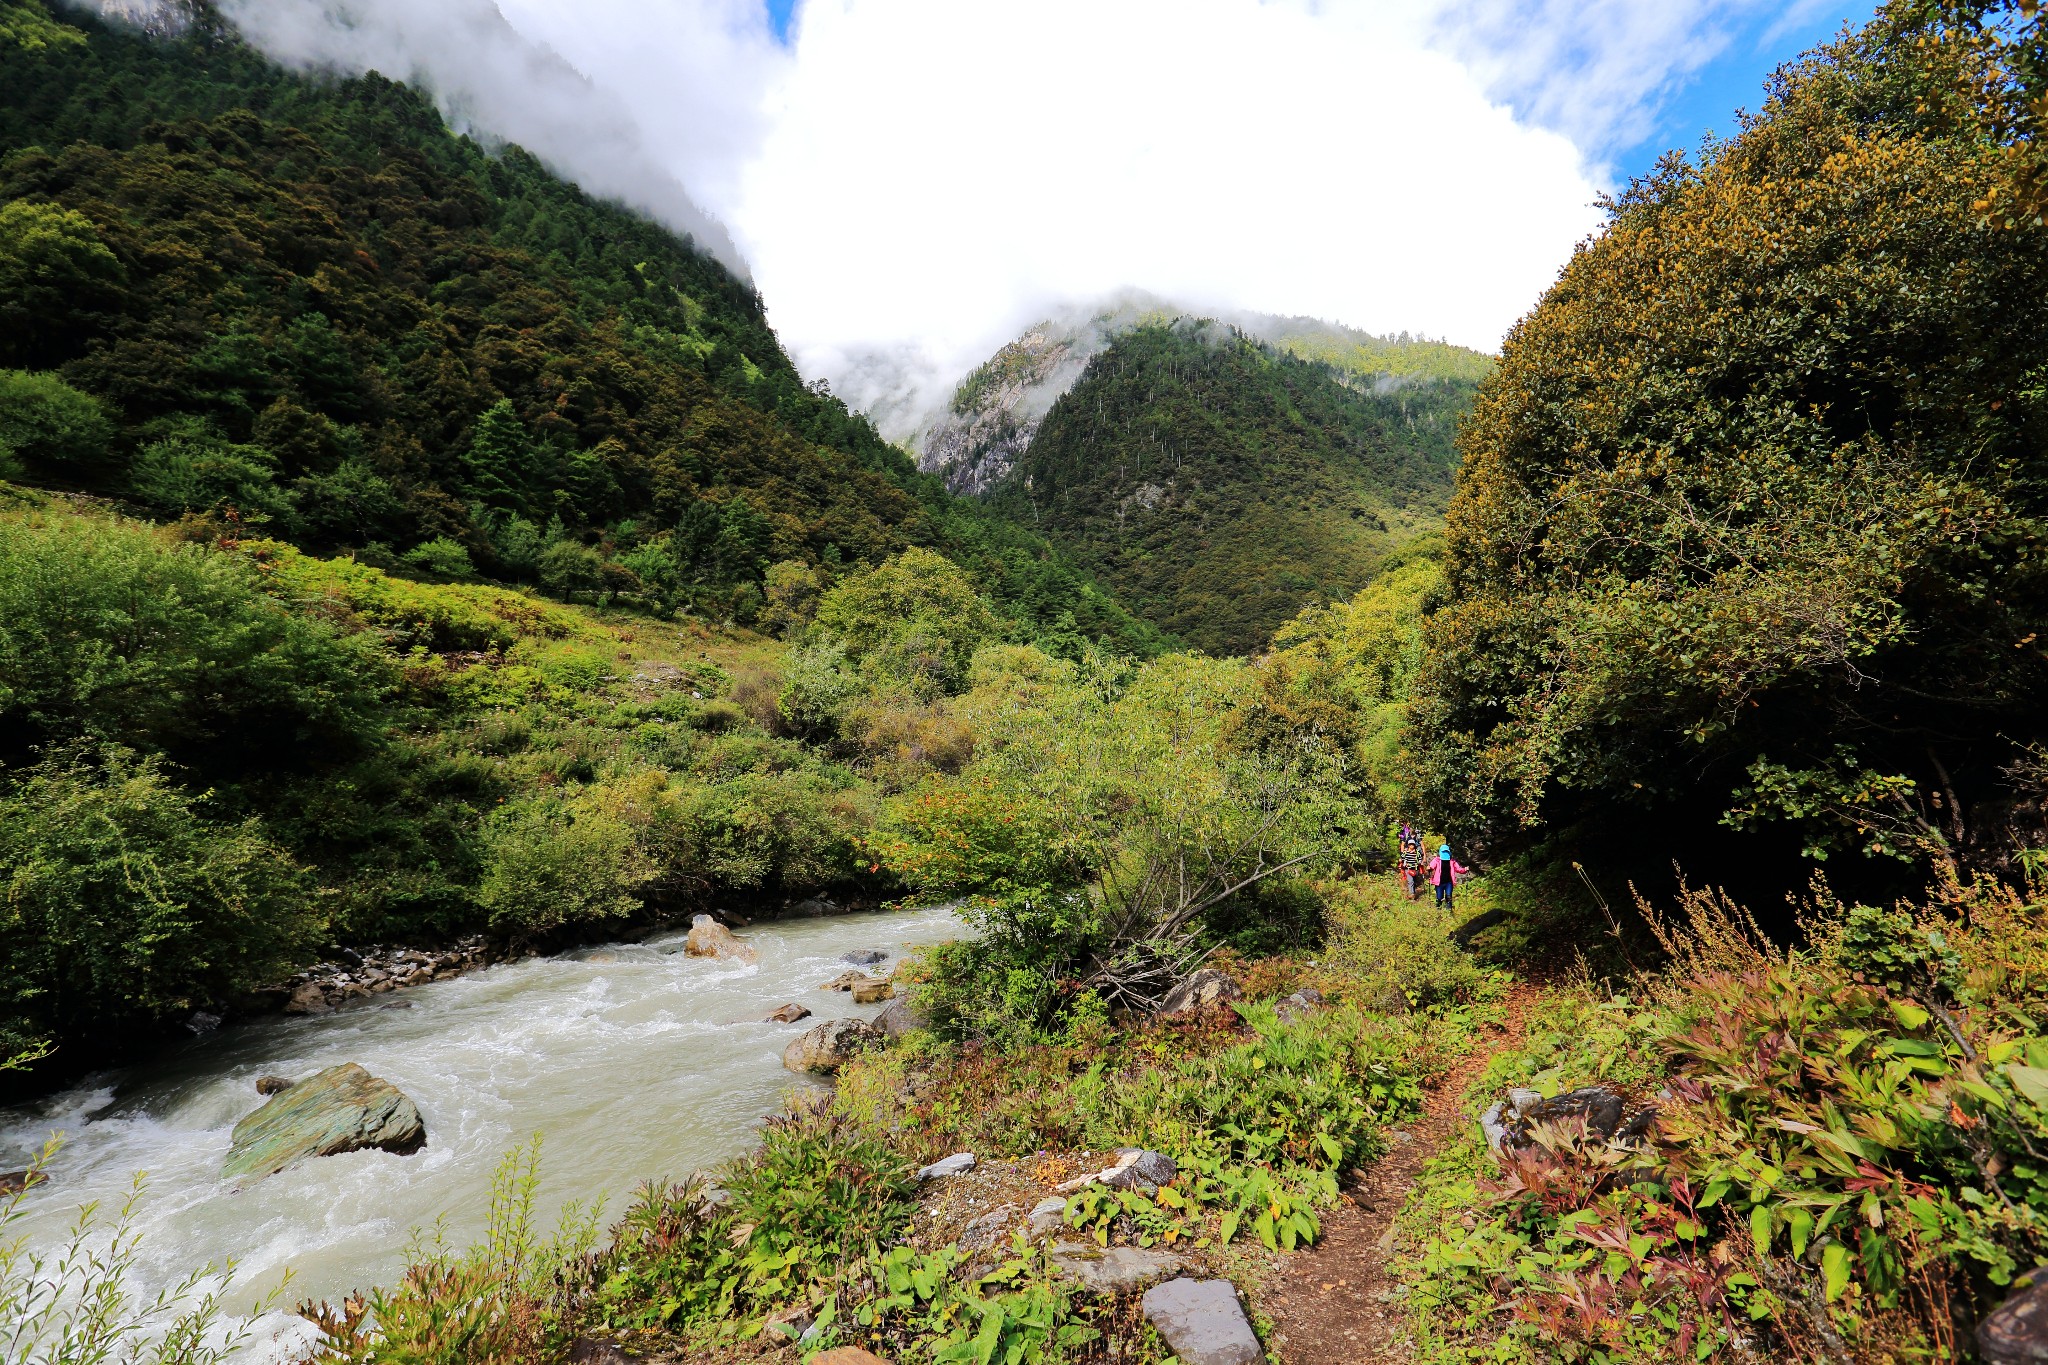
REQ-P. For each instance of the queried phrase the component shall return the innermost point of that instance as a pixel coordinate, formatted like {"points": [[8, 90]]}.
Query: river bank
{"points": [[633, 1060]]}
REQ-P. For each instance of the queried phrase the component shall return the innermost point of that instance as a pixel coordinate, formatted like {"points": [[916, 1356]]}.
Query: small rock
{"points": [[872, 992], [830, 1045], [598, 1351], [1295, 1008], [341, 1109], [785, 1014], [1133, 1169], [14, 1182], [271, 1085], [1204, 988], [1047, 1215], [987, 1230], [864, 957], [2016, 1332], [960, 1163], [203, 1022], [1113, 1271], [899, 1018], [846, 1355], [709, 938], [396, 1005], [845, 981], [308, 999], [788, 1324], [1203, 1322]]}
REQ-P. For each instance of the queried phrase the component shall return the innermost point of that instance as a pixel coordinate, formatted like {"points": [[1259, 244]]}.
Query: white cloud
{"points": [[913, 181]]}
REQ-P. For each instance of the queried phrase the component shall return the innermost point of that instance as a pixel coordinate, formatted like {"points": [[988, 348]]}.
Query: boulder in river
{"points": [[864, 957], [786, 1014], [830, 1045], [341, 1109], [1203, 1322], [1202, 989], [272, 1085], [846, 981], [872, 992], [709, 938], [14, 1182], [308, 999]]}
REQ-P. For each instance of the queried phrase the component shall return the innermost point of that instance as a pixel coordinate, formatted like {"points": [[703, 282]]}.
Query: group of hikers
{"points": [[1439, 869]]}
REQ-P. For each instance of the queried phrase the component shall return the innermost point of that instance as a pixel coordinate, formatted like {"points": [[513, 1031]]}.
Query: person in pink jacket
{"points": [[1444, 873]]}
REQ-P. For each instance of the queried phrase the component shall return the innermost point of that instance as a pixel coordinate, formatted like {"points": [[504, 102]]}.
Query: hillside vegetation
{"points": [[250, 297], [1217, 485]]}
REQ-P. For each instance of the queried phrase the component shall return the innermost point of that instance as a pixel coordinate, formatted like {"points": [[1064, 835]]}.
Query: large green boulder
{"points": [[341, 1109]]}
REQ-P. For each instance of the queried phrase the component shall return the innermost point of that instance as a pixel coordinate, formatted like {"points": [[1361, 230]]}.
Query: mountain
{"points": [[978, 437], [1218, 483], [243, 296]]}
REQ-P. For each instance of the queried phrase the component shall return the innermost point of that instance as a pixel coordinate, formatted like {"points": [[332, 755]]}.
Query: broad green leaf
{"points": [[1834, 1269], [1760, 1228], [1800, 1223], [1909, 1014], [2031, 1081]]}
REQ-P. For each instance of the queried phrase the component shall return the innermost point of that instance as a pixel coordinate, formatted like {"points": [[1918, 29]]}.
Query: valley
{"points": [[553, 842]]}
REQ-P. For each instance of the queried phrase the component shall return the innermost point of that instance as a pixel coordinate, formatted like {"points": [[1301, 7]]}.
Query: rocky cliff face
{"points": [[997, 409]]}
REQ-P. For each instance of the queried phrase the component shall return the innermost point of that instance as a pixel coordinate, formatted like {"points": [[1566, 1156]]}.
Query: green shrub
{"points": [[441, 556], [566, 568], [123, 896], [54, 428], [190, 474], [552, 861], [787, 831], [914, 622], [114, 631]]}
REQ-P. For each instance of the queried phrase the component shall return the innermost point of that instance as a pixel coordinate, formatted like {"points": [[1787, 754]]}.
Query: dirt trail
{"points": [[1333, 1304]]}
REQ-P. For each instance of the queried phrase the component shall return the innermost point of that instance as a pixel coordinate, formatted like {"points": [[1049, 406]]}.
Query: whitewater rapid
{"points": [[625, 1058]]}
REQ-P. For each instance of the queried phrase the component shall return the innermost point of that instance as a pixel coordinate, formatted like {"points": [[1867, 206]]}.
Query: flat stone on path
{"points": [[847, 1355], [1047, 1215], [341, 1109], [1113, 1271], [1203, 1322], [960, 1163]]}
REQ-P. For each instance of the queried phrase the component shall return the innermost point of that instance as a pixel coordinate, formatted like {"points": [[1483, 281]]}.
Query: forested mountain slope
{"points": [[1218, 484], [230, 291]]}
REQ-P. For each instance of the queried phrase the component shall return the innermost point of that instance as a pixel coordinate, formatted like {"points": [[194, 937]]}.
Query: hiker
{"points": [[1444, 873], [1411, 861]]}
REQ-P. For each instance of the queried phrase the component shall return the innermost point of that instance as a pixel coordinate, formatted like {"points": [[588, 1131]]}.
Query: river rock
{"points": [[1114, 1271], [846, 981], [1204, 988], [14, 1182], [830, 1045], [899, 1018], [709, 938], [960, 1163], [872, 992], [1203, 1322], [785, 1014], [2016, 1332], [307, 999], [272, 1085], [341, 1109], [864, 957]]}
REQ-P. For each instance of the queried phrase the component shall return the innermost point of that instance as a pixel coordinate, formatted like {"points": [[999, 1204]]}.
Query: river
{"points": [[625, 1057]]}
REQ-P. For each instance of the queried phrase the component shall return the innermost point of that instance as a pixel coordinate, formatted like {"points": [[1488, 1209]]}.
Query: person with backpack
{"points": [[1411, 861], [1444, 873]]}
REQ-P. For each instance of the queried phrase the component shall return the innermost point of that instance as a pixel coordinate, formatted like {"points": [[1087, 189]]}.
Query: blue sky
{"points": [[1734, 80]]}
